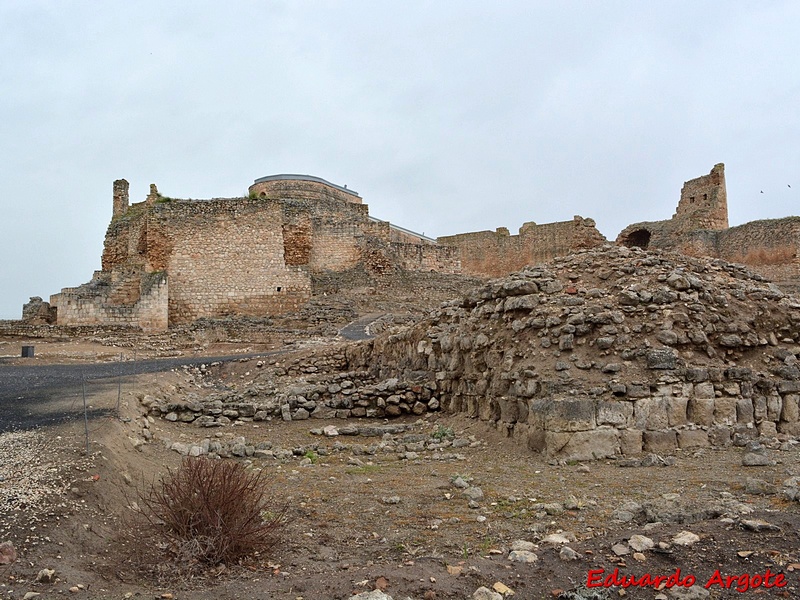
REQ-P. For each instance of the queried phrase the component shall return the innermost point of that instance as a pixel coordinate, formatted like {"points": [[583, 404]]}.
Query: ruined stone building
{"points": [[699, 227], [168, 261]]}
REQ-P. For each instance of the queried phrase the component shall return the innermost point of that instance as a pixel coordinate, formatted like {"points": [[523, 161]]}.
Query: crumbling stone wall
{"points": [[132, 301], [497, 253], [38, 312], [699, 227], [770, 247], [224, 257], [240, 256], [610, 352], [704, 201], [121, 197]]}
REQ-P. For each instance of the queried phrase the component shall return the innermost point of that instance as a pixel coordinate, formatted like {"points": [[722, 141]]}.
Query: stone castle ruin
{"points": [[699, 227], [168, 261]]}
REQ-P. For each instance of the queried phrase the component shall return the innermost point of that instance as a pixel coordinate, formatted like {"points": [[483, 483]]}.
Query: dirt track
{"points": [[347, 533]]}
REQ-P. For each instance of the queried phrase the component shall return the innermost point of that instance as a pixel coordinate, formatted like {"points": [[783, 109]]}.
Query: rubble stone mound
{"points": [[612, 351]]}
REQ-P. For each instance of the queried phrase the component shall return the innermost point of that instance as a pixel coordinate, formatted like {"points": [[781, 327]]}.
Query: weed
{"points": [[443, 433], [210, 512]]}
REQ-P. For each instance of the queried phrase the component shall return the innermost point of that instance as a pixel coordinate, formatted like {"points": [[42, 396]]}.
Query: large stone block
{"points": [[536, 439], [662, 359], [725, 411], [564, 415], [651, 413], [693, 438], [774, 407], [630, 441], [509, 412], [584, 445], [790, 411], [792, 429], [759, 408], [704, 390], [719, 437], [677, 410], [701, 411], [619, 414], [744, 410], [488, 408], [660, 441]]}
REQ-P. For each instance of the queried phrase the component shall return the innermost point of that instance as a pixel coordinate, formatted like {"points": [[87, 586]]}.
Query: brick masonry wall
{"points": [[769, 247], [427, 257]]}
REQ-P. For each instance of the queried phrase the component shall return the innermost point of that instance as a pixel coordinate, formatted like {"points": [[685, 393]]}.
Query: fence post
{"points": [[85, 415]]}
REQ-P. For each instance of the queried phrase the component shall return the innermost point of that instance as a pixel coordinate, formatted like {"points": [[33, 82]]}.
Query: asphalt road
{"points": [[40, 395], [357, 330]]}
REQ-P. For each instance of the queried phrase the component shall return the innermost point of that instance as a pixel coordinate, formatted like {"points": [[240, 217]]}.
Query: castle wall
{"points": [[496, 253], [134, 302], [769, 247], [427, 257], [704, 201], [699, 227], [225, 257]]}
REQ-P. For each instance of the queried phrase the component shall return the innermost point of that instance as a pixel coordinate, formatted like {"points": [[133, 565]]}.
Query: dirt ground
{"points": [[363, 516]]}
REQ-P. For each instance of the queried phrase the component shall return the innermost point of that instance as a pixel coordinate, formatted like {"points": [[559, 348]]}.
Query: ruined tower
{"points": [[704, 201], [120, 197]]}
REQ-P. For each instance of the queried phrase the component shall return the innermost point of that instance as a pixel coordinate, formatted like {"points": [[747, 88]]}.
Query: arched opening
{"points": [[639, 238]]}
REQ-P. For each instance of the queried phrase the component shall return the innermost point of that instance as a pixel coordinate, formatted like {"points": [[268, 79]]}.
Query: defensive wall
{"points": [[497, 253], [699, 227], [168, 261]]}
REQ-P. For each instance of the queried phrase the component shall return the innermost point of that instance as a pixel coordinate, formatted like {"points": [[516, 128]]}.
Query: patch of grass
{"points": [[443, 433]]}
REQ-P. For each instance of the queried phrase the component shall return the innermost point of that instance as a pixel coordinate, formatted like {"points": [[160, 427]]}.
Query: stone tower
{"points": [[704, 202], [120, 198]]}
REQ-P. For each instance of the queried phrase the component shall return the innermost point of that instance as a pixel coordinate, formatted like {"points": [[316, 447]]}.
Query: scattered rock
{"points": [[46, 576], [484, 593], [640, 543], [8, 553], [522, 556], [685, 538]]}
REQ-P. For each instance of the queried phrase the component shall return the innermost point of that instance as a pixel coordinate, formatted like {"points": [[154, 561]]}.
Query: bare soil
{"points": [[360, 521]]}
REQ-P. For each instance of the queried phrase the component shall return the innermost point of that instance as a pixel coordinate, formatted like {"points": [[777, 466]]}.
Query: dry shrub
{"points": [[211, 512]]}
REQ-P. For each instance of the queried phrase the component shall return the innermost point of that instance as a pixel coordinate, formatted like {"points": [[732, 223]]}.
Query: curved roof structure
{"points": [[291, 177]]}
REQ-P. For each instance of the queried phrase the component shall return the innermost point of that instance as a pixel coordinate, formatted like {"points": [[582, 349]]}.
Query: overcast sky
{"points": [[446, 117]]}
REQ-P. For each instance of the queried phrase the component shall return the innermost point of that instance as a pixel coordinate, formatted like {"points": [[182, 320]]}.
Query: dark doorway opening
{"points": [[638, 239]]}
